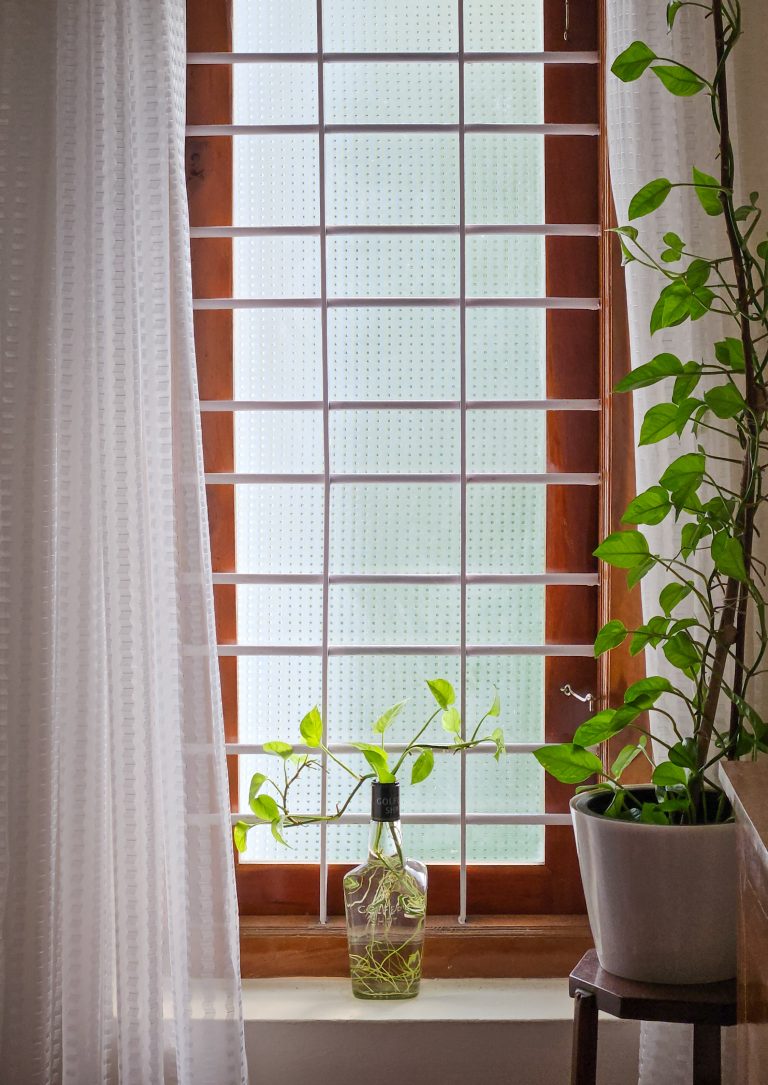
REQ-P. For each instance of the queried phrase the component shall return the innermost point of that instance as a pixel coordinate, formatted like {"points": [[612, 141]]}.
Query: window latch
{"points": [[586, 698]]}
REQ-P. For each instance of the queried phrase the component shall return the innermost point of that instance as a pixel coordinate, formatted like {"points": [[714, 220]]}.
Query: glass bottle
{"points": [[386, 902]]}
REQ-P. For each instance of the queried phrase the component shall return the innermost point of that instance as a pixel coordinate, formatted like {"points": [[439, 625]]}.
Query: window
{"points": [[395, 223]]}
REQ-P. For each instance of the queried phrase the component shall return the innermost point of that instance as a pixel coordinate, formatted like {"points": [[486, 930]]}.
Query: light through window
{"points": [[400, 238]]}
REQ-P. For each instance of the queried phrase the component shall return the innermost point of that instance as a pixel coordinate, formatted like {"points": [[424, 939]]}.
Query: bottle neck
{"points": [[385, 841]]}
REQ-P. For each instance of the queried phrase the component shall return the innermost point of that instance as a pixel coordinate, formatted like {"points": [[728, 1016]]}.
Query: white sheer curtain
{"points": [[651, 134], [118, 925]]}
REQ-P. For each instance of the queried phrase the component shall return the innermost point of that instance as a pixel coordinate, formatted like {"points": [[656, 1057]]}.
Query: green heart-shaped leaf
{"points": [[610, 636], [265, 808], [649, 198], [672, 595], [649, 507], [632, 62], [728, 556], [678, 80], [568, 763], [663, 365], [422, 766], [708, 191], [385, 719], [659, 422], [623, 549], [312, 727], [442, 691]]}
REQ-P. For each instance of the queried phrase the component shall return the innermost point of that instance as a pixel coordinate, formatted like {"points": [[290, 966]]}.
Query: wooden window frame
{"points": [[524, 920]]}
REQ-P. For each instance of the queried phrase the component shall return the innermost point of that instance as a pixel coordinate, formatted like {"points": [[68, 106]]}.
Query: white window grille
{"points": [[390, 410]]}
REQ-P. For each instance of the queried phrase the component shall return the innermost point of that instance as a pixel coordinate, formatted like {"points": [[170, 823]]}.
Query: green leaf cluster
{"points": [[269, 796], [713, 587]]}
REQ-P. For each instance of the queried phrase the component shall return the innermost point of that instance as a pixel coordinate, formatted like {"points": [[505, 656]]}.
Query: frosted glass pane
{"points": [[276, 267], [509, 26], [397, 353], [404, 442], [279, 442], [394, 528], [374, 180], [520, 682], [274, 26], [280, 614], [505, 613], [506, 353], [275, 181], [379, 93], [390, 26], [277, 354], [505, 843], [505, 93], [429, 843], [503, 266], [360, 688], [274, 94], [279, 529], [507, 441], [505, 179], [274, 693], [370, 266], [506, 528], [513, 785], [394, 614]]}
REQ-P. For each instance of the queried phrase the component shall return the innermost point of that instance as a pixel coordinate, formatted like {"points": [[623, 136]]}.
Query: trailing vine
{"points": [[709, 646]]}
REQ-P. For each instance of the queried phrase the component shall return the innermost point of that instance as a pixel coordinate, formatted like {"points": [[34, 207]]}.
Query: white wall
{"points": [[424, 1053]]}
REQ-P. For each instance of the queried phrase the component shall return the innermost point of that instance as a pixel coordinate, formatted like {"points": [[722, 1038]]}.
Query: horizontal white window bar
{"points": [[230, 405], [548, 57], [396, 303], [437, 819], [256, 748], [568, 650], [194, 130], [552, 478], [542, 229], [587, 580]]}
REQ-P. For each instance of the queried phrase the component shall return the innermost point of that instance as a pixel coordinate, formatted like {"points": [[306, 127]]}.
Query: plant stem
{"points": [[737, 246], [736, 592]]}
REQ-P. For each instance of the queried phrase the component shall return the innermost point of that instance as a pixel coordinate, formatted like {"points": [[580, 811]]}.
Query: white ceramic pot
{"points": [[661, 898]]}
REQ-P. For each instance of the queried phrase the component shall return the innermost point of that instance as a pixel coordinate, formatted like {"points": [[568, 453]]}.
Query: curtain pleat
{"points": [[118, 930]]}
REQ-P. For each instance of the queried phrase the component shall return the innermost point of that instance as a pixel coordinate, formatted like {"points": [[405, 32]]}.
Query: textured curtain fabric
{"points": [[651, 134], [118, 926]]}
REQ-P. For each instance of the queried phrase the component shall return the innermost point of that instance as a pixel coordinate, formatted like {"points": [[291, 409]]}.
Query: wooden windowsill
{"points": [[485, 947]]}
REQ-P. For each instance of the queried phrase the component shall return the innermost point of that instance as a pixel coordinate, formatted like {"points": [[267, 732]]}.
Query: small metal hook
{"points": [[585, 698]]}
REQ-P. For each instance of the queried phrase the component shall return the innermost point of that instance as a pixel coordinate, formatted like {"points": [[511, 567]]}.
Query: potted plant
{"points": [[671, 846], [386, 896]]}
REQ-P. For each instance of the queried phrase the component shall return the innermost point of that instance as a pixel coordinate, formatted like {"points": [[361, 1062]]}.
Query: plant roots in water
{"points": [[386, 907]]}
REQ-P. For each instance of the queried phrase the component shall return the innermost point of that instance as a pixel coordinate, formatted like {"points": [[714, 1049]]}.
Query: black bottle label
{"points": [[385, 802]]}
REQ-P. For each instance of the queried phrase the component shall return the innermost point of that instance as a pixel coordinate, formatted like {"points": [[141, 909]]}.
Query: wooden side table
{"points": [[707, 1007]]}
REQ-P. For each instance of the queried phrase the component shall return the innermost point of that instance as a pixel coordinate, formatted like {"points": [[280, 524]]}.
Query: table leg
{"points": [[706, 1055], [584, 1057]]}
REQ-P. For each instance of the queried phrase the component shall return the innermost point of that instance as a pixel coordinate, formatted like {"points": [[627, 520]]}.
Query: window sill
{"points": [[327, 999], [487, 947]]}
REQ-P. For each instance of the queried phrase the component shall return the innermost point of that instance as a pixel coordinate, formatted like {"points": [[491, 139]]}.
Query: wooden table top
{"points": [[698, 1004]]}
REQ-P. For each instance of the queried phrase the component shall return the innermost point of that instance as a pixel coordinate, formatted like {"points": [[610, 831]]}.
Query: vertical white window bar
{"points": [[468, 475], [326, 458], [463, 453]]}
